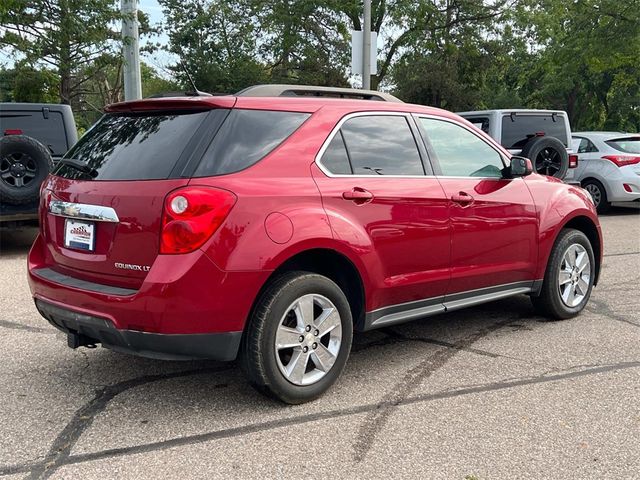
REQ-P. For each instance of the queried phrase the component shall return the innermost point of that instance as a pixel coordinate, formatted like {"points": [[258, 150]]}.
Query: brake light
{"points": [[573, 160], [622, 160], [13, 131], [191, 215]]}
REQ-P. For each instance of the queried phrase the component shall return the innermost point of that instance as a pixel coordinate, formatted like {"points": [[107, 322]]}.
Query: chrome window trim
{"points": [[83, 211], [336, 129]]}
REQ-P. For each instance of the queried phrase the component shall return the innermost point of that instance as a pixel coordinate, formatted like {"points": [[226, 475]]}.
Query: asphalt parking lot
{"points": [[491, 392]]}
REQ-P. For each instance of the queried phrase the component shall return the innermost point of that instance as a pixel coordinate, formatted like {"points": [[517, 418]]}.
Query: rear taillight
{"points": [[191, 215], [573, 160], [622, 160], [13, 131]]}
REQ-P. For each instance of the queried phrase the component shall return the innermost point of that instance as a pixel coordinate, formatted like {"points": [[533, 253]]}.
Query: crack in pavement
{"points": [[376, 421], [600, 307], [620, 254], [83, 418], [328, 415]]}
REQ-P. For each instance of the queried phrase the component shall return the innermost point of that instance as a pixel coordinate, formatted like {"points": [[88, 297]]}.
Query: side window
{"points": [[460, 153], [382, 145], [586, 146], [335, 158]]}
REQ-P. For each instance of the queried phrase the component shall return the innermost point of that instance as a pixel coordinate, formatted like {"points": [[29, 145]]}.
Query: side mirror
{"points": [[520, 167]]}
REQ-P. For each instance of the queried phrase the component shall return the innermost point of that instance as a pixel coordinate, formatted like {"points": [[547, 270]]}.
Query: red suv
{"points": [[270, 228]]}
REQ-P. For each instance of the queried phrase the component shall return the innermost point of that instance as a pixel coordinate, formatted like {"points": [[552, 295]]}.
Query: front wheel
{"points": [[298, 339], [569, 278]]}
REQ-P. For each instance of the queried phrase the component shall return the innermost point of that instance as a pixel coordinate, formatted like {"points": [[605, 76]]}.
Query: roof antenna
{"points": [[196, 92]]}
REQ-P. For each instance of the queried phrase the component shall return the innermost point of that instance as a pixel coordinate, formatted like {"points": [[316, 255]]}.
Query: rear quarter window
{"points": [[518, 129], [246, 137]]}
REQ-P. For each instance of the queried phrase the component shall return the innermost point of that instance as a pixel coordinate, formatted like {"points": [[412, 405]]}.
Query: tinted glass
{"points": [[133, 147], [335, 158], [48, 131], [460, 153], [626, 145], [382, 145], [246, 137], [517, 130]]}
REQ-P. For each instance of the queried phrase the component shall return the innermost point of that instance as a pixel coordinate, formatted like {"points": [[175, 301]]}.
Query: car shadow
{"points": [[16, 241]]}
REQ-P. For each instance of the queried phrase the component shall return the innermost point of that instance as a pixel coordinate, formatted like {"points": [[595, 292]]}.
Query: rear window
{"points": [[626, 145], [246, 137], [133, 147], [518, 129], [48, 131]]}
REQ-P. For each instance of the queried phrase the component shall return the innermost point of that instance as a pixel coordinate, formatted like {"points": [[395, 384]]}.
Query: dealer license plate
{"points": [[79, 234]]}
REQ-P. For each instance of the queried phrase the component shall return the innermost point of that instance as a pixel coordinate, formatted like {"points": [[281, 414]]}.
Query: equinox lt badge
{"points": [[129, 266]]}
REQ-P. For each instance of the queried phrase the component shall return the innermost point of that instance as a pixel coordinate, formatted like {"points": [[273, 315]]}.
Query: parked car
{"points": [[544, 136], [609, 166], [33, 136], [270, 228]]}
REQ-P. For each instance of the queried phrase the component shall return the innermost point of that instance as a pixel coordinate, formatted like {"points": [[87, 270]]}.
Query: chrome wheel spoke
{"points": [[304, 310], [297, 366], [287, 337], [582, 286], [323, 358], [564, 277], [327, 321], [568, 295]]}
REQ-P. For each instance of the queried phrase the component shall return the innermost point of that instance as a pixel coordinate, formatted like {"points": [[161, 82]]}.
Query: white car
{"points": [[608, 166]]}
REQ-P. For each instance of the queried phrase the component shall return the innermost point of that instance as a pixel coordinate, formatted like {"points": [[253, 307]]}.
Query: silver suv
{"points": [[543, 136]]}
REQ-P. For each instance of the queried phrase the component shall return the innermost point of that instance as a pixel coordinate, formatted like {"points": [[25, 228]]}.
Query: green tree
{"points": [[62, 35]]}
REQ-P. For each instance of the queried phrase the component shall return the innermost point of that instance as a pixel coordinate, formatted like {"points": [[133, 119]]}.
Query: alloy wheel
{"points": [[308, 339], [17, 169], [574, 276], [548, 161], [595, 193]]}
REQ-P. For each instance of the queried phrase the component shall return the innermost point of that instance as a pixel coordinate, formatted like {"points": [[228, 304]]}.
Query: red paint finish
{"points": [[409, 238], [494, 232]]}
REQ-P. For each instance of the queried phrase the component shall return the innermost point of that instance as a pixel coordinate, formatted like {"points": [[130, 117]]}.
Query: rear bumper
{"points": [[186, 306], [85, 330]]}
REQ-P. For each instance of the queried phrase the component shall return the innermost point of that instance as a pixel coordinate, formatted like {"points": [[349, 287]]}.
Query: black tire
{"points": [[548, 155], [550, 302], [258, 351], [598, 193], [24, 164]]}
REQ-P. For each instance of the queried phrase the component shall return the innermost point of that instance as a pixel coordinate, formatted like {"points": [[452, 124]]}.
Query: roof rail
{"points": [[314, 91]]}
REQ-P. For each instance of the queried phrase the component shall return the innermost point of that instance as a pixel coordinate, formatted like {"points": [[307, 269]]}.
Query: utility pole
{"points": [[131, 50], [366, 46]]}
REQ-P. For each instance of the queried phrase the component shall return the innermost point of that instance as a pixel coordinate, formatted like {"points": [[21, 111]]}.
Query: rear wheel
{"points": [[569, 278], [298, 339], [598, 194]]}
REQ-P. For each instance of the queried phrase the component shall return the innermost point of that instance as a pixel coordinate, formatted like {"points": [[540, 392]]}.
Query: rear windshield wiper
{"points": [[79, 165]]}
